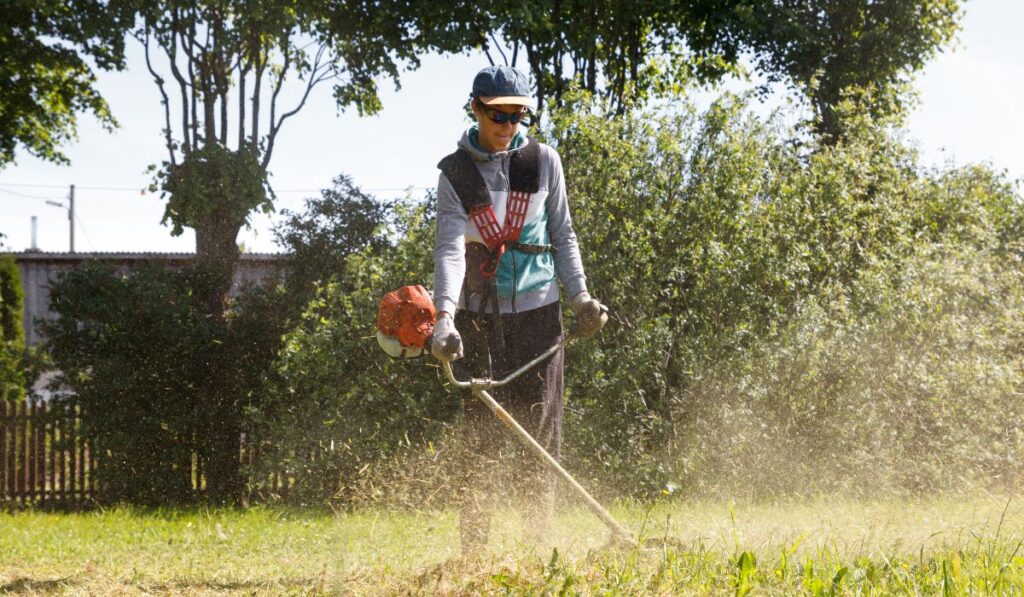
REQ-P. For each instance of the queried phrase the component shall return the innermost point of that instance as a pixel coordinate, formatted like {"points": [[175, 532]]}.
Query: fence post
{"points": [[3, 448]]}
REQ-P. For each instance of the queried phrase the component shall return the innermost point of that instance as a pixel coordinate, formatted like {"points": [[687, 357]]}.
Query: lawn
{"points": [[961, 544]]}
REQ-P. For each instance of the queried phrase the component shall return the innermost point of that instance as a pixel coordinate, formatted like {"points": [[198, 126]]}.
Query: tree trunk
{"points": [[219, 404]]}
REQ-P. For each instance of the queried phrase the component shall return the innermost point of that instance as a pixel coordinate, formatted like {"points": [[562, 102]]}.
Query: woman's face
{"points": [[495, 137]]}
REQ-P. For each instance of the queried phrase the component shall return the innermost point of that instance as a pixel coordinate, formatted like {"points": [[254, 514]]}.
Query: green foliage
{"points": [[12, 301], [214, 185], [48, 80], [827, 48], [135, 350], [12, 334], [341, 221], [129, 347], [626, 51], [914, 388], [338, 403], [821, 317], [713, 240]]}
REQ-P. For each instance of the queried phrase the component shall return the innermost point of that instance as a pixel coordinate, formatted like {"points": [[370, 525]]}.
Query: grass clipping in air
{"points": [[817, 546]]}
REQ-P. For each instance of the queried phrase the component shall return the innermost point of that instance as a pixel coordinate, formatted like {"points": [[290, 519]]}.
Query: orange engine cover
{"points": [[407, 314]]}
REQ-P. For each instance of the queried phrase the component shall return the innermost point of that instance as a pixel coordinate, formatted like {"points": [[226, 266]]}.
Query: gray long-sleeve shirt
{"points": [[525, 281]]}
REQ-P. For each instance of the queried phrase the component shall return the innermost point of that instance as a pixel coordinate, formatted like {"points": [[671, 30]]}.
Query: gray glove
{"points": [[590, 315], [446, 343]]}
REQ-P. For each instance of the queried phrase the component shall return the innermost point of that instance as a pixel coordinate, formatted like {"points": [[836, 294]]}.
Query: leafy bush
{"points": [[917, 389], [787, 315], [128, 348], [710, 236], [12, 334], [337, 403]]}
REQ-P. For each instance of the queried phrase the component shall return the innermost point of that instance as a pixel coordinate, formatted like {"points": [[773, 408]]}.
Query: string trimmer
{"points": [[404, 329]]}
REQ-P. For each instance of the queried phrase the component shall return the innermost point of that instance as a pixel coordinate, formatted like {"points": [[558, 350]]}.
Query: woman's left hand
{"points": [[590, 315]]}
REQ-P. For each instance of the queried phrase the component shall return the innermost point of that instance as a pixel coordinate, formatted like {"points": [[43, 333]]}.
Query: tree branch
{"points": [[273, 101], [221, 78], [316, 76], [242, 73], [500, 51], [209, 97], [261, 64], [172, 55], [487, 52], [163, 93], [192, 60]]}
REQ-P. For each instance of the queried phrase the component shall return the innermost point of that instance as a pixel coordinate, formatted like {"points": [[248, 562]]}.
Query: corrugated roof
{"points": [[128, 255]]}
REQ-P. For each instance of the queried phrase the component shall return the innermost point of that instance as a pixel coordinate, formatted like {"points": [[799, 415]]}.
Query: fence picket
{"points": [[3, 448], [80, 451], [44, 467], [9, 473], [32, 450], [47, 461], [22, 454], [69, 422]]}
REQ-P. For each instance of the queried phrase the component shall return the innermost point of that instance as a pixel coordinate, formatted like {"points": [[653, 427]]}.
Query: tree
{"points": [[628, 51], [225, 65], [342, 221], [44, 47], [623, 50], [830, 48]]}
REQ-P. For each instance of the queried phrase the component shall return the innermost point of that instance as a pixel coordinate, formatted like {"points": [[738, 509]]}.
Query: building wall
{"points": [[38, 269]]}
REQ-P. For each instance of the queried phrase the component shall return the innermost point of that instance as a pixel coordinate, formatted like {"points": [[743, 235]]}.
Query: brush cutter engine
{"points": [[405, 322]]}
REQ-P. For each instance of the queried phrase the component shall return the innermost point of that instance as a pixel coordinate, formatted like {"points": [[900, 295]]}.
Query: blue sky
{"points": [[969, 111]]}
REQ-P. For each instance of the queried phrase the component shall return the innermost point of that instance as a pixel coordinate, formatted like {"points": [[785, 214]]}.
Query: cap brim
{"points": [[516, 100]]}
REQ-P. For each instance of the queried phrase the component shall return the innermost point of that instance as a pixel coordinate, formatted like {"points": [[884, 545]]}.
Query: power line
{"points": [[29, 196], [145, 191], [134, 188], [81, 225], [15, 184]]}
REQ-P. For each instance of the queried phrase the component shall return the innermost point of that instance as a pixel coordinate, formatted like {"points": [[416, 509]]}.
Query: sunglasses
{"points": [[499, 117]]}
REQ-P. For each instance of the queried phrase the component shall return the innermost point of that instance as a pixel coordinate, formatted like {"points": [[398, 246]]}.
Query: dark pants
{"points": [[495, 461]]}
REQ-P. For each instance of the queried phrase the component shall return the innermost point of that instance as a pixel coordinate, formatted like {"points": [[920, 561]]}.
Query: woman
{"points": [[504, 241]]}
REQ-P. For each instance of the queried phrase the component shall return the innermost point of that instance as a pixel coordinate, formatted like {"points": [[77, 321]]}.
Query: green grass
{"points": [[952, 545]]}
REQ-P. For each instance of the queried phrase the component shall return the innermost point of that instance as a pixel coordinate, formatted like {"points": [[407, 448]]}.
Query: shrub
{"points": [[785, 316], [128, 348], [337, 404], [12, 334], [711, 236]]}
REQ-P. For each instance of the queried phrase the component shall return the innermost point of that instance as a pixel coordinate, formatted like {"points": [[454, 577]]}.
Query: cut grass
{"points": [[955, 545]]}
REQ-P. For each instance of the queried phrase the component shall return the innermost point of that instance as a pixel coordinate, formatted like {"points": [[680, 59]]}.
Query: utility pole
{"points": [[71, 218]]}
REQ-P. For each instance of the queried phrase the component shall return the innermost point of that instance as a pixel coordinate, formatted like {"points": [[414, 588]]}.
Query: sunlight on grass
{"points": [[957, 544]]}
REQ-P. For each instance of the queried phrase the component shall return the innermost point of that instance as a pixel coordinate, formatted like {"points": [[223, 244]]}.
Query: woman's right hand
{"points": [[446, 343]]}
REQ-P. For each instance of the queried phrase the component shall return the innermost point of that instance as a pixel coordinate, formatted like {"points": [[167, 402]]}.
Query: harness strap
{"points": [[531, 249], [467, 182]]}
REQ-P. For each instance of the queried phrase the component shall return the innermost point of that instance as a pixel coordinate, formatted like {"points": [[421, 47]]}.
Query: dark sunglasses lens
{"points": [[503, 117]]}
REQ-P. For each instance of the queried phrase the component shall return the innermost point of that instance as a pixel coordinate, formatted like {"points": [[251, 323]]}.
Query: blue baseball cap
{"points": [[502, 85]]}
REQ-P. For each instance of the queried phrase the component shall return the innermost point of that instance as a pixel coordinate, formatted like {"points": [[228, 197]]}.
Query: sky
{"points": [[968, 112]]}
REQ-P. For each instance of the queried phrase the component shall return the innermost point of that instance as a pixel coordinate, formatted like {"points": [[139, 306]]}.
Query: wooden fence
{"points": [[44, 460]]}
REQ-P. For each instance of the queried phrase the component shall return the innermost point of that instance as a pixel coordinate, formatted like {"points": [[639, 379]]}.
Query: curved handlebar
{"points": [[486, 383]]}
